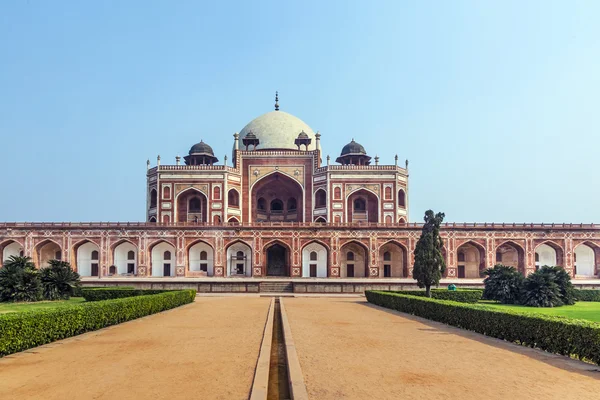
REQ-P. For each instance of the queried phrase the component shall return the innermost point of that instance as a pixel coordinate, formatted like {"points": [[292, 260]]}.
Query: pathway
{"points": [[204, 350]]}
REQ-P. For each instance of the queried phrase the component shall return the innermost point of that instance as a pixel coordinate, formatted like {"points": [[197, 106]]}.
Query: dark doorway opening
{"points": [[387, 271], [350, 269], [94, 269], [167, 269], [277, 261], [461, 271], [313, 270]]}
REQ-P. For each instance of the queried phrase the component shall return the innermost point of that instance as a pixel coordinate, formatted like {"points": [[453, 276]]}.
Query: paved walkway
{"points": [[205, 350], [349, 349]]}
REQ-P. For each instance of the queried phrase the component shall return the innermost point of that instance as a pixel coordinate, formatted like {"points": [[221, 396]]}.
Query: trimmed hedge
{"points": [[558, 335], [587, 294], [109, 293], [460, 295], [24, 330]]}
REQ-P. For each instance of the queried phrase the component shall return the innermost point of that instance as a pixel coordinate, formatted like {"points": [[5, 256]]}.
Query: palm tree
{"points": [[59, 280], [19, 280]]}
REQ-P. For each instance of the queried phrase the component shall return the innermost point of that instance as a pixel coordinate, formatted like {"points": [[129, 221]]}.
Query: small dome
{"points": [[250, 135], [302, 135], [201, 148], [353, 148]]}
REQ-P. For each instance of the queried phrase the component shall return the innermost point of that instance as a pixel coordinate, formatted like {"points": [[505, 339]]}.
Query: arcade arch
{"points": [[10, 249], [362, 206], [585, 261], [277, 255], [512, 255], [470, 260], [88, 259], [548, 253], [191, 206], [163, 259], [314, 261], [201, 258], [125, 258], [353, 261], [46, 251], [239, 260], [392, 260]]}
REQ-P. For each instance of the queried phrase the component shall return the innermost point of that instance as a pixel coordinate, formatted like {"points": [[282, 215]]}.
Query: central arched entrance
{"points": [[277, 260], [277, 197]]}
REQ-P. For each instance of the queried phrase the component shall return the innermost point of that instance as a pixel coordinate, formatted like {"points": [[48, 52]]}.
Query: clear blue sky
{"points": [[495, 104]]}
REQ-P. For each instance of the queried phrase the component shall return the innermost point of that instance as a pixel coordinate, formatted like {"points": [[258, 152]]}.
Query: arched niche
{"points": [[163, 259], [314, 260], [201, 258]]}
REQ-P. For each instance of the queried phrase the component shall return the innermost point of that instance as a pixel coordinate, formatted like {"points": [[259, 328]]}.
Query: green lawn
{"points": [[16, 307], [587, 310]]}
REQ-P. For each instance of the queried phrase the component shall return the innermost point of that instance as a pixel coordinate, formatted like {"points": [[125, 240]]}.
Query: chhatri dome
{"points": [[277, 130]]}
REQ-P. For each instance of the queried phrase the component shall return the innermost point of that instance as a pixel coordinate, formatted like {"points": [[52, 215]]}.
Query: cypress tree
{"points": [[429, 259]]}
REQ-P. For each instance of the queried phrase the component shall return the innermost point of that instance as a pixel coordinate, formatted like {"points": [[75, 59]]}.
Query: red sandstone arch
{"points": [[117, 244], [287, 256], [371, 211], [182, 202], [5, 244], [40, 257], [560, 253], [403, 248], [272, 187], [469, 264], [520, 265], [595, 248], [76, 246], [343, 254], [233, 198]]}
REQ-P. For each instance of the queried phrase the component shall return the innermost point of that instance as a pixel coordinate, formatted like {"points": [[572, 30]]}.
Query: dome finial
{"points": [[276, 101]]}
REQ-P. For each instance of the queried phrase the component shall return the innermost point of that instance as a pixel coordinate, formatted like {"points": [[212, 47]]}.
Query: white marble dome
{"points": [[277, 130]]}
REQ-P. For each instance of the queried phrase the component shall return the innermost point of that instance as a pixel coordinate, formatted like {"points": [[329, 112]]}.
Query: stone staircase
{"points": [[276, 287]]}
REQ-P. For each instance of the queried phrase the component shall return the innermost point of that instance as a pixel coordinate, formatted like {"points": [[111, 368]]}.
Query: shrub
{"points": [[503, 284], [586, 294], [547, 287], [24, 330], [108, 293], [563, 280], [59, 280], [540, 290], [19, 280], [553, 334], [460, 295]]}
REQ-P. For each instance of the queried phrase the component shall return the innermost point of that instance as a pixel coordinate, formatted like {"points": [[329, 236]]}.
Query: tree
{"points": [[59, 280], [19, 280], [503, 284], [429, 259]]}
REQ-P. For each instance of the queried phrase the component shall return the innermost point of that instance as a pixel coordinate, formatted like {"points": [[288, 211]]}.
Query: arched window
{"points": [[276, 205], [95, 255], [388, 219], [291, 204], [195, 205], [217, 219], [166, 192], [239, 255], [360, 204], [388, 193], [337, 193], [320, 220], [402, 221], [387, 256], [112, 270], [203, 255], [313, 256], [153, 198], [166, 219], [320, 199], [350, 256], [152, 219], [130, 255], [217, 192], [262, 204], [233, 198], [167, 255], [461, 256], [401, 198]]}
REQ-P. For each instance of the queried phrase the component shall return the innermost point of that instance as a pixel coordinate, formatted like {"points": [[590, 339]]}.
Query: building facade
{"points": [[276, 209]]}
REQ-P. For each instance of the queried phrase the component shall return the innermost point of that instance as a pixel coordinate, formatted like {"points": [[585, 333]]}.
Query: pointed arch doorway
{"points": [[277, 260]]}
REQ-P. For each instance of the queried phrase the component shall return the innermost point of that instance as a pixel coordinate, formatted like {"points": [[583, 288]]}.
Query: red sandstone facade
{"points": [[277, 211]]}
